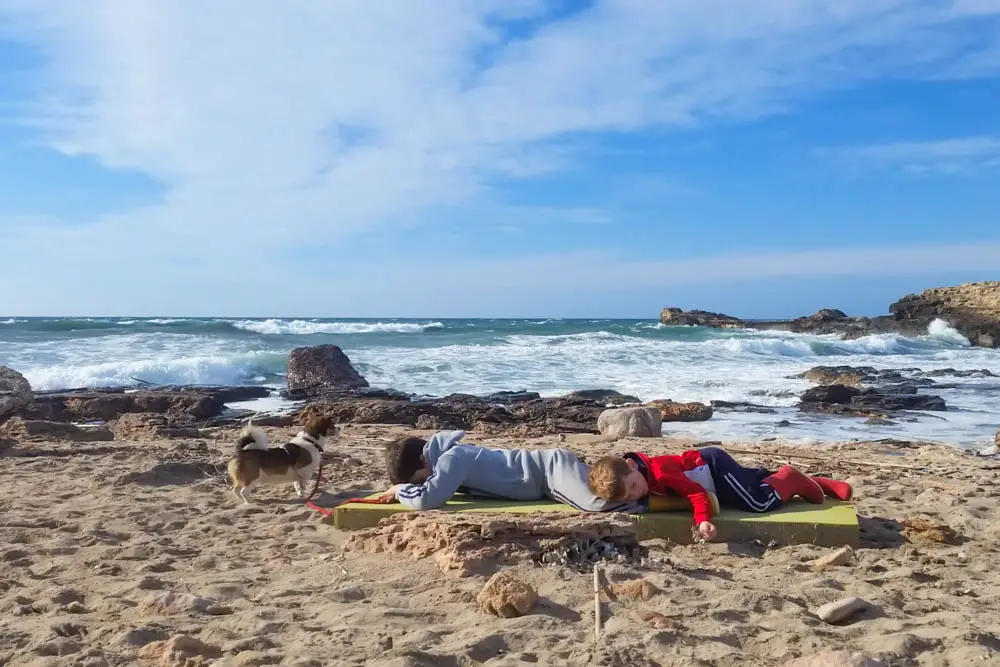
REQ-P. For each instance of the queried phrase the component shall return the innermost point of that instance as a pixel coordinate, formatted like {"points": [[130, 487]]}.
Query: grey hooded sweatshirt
{"points": [[512, 474]]}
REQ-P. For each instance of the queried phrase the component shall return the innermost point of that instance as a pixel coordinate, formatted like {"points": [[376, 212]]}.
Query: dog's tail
{"points": [[251, 437]]}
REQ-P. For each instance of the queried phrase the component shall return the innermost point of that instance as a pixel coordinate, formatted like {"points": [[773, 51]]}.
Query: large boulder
{"points": [[681, 412], [15, 392], [699, 318], [972, 308], [319, 369], [630, 422]]}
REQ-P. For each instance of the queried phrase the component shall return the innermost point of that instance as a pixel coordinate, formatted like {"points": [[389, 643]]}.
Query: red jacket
{"points": [[665, 474]]}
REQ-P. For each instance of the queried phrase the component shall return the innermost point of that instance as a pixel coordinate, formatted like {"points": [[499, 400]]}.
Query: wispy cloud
{"points": [[280, 125], [947, 156]]}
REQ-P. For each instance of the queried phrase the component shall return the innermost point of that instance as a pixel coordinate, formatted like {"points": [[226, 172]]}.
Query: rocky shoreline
{"points": [[972, 309], [328, 385]]}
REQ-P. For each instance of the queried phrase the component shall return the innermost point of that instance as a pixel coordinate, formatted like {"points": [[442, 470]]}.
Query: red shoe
{"points": [[789, 482], [835, 488]]}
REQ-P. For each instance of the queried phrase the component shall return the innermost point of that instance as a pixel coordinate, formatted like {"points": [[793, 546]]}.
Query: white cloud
{"points": [[278, 125], [946, 156]]}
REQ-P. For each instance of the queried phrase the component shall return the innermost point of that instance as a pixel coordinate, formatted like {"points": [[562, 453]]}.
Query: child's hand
{"points": [[391, 495], [707, 530]]}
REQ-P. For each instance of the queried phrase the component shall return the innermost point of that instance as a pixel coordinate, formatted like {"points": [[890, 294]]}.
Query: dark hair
{"points": [[403, 458]]}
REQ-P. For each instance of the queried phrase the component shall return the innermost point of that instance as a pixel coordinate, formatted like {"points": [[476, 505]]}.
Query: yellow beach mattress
{"points": [[830, 524]]}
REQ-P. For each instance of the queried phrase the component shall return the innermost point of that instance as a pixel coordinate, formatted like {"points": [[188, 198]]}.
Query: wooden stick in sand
{"points": [[597, 602]]}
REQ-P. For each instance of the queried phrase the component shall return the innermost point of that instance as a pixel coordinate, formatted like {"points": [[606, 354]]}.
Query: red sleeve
{"points": [[669, 475]]}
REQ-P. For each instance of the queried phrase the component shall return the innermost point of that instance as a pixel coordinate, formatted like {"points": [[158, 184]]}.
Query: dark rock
{"points": [[605, 396], [879, 421], [830, 393], [15, 392], [741, 406], [321, 368], [901, 388], [784, 423], [48, 431], [506, 397], [828, 315], [699, 318], [951, 372], [842, 410], [873, 399]]}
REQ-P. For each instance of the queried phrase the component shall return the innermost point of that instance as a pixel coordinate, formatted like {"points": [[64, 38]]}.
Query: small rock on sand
{"points": [[178, 651], [841, 610], [835, 659], [842, 556], [505, 596], [637, 589], [169, 602]]}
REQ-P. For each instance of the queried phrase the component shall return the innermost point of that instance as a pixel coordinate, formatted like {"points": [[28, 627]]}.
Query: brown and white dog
{"points": [[256, 463]]}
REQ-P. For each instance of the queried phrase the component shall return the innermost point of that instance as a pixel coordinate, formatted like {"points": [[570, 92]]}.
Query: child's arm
{"points": [[449, 474], [694, 492]]}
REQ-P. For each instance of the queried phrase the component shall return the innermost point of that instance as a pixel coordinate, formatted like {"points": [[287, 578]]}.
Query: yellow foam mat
{"points": [[830, 524]]}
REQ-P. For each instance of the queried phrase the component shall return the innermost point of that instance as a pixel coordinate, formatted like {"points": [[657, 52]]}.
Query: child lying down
{"points": [[426, 474]]}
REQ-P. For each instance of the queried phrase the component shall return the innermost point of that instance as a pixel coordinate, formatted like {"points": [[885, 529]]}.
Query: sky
{"points": [[496, 158]]}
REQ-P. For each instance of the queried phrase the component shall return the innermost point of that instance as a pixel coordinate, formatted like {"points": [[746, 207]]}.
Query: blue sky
{"points": [[496, 158]]}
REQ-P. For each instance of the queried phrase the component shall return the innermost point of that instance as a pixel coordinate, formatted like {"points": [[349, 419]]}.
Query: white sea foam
{"points": [[695, 365], [9, 321], [306, 327], [944, 332]]}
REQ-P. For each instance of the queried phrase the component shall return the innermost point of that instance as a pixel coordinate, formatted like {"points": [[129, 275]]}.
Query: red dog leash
{"points": [[328, 511]]}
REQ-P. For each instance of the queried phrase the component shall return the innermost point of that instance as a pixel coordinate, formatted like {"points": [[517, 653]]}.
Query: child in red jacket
{"points": [[696, 472]]}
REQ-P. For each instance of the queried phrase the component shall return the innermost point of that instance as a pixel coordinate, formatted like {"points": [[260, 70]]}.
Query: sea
{"points": [[436, 357]]}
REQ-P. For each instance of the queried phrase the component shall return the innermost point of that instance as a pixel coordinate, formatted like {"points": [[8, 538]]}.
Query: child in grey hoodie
{"points": [[426, 474]]}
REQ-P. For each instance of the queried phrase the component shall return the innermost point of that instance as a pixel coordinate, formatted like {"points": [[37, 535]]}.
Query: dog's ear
{"points": [[318, 426]]}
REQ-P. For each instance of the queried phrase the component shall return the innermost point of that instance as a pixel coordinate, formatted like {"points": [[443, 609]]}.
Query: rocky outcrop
{"points": [[140, 426], [698, 318], [537, 416], [681, 412], [15, 392], [109, 404], [477, 544], [973, 309], [630, 423], [871, 402], [25, 430], [319, 369]]}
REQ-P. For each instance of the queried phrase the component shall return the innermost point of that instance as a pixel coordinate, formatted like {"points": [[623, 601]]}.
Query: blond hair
{"points": [[607, 478]]}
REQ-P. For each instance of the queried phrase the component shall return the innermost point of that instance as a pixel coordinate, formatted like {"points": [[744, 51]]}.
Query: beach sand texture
{"points": [[133, 553]]}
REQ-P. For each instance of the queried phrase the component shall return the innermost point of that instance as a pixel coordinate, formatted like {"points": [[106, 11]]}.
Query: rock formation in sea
{"points": [[973, 309], [321, 368]]}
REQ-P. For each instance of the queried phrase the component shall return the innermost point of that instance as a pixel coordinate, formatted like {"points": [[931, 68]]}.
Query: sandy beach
{"points": [[130, 553]]}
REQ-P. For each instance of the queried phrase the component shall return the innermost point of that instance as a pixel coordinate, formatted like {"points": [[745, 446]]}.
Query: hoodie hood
{"points": [[439, 444]]}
